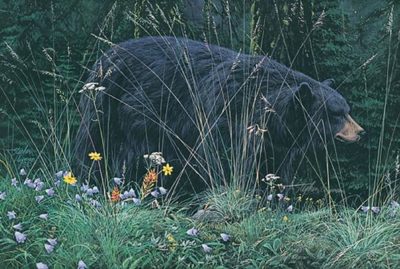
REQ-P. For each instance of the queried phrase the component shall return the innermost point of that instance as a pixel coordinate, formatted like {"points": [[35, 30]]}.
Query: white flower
{"points": [[41, 265], [192, 232], [82, 265], [22, 172], [11, 215], [95, 189], [84, 187], [14, 182], [89, 192], [365, 209], [394, 204], [95, 203], [52, 241], [88, 87], [17, 226], [269, 197], [49, 248], [132, 193], [20, 237], [78, 198], [39, 198], [290, 208], [50, 192], [2, 195], [156, 158], [280, 196], [162, 190], [44, 216], [59, 174], [206, 248], [225, 237], [375, 209], [117, 180]]}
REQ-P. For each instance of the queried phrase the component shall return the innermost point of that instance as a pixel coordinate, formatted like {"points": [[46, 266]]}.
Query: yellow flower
{"points": [[285, 219], [95, 156], [115, 195], [70, 179], [171, 242], [167, 169]]}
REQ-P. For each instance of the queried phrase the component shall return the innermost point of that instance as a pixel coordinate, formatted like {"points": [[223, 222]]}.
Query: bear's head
{"points": [[322, 114]]}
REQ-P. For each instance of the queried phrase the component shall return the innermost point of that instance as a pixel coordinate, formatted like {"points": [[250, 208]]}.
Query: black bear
{"points": [[198, 103]]}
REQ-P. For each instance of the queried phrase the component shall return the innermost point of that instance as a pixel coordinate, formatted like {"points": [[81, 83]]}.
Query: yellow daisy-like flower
{"points": [[95, 156], [69, 179], [167, 169]]}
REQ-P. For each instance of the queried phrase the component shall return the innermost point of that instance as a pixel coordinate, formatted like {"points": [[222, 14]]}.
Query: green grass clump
{"points": [[125, 235]]}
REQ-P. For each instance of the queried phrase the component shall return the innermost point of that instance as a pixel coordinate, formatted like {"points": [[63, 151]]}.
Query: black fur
{"points": [[167, 94]]}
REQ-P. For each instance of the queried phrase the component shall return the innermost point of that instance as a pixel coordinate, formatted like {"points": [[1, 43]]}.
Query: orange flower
{"points": [[115, 195], [149, 181]]}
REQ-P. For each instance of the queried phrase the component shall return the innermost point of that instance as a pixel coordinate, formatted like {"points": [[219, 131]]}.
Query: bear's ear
{"points": [[303, 95], [329, 82]]}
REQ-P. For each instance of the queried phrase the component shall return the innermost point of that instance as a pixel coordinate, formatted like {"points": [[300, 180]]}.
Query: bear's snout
{"points": [[351, 131]]}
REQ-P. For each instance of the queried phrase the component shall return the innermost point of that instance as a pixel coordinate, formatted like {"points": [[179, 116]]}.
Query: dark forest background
{"points": [[47, 46]]}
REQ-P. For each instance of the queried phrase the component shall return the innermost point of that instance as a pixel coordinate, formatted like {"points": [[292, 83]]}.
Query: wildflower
{"points": [[49, 248], [280, 196], [225, 237], [20, 237], [14, 182], [136, 201], [11, 215], [82, 265], [41, 265], [17, 227], [89, 192], [57, 183], [78, 198], [59, 174], [149, 181], [375, 209], [44, 216], [155, 193], [84, 187], [95, 190], [2, 195], [156, 158], [117, 180], [162, 190], [52, 241], [89, 87], [39, 198], [206, 248], [394, 204], [70, 179], [38, 184], [50, 192], [270, 177], [285, 219], [22, 172], [95, 156], [192, 232], [115, 195], [28, 182], [131, 193], [94, 203], [290, 208], [172, 242], [167, 169], [287, 199], [269, 197]]}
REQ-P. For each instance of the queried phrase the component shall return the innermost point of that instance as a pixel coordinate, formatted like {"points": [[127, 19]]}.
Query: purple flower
{"points": [[11, 215], [49, 248], [290, 208], [2, 195], [14, 182], [84, 187], [95, 189], [41, 265], [132, 193], [39, 185], [269, 197], [52, 241], [206, 248], [59, 174], [39, 198], [50, 192], [78, 198], [117, 180], [82, 265], [192, 232], [225, 237], [280, 196], [89, 192], [57, 183], [162, 190], [17, 226], [28, 182], [20, 237], [365, 209], [136, 201], [155, 193], [94, 203], [44, 216]]}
